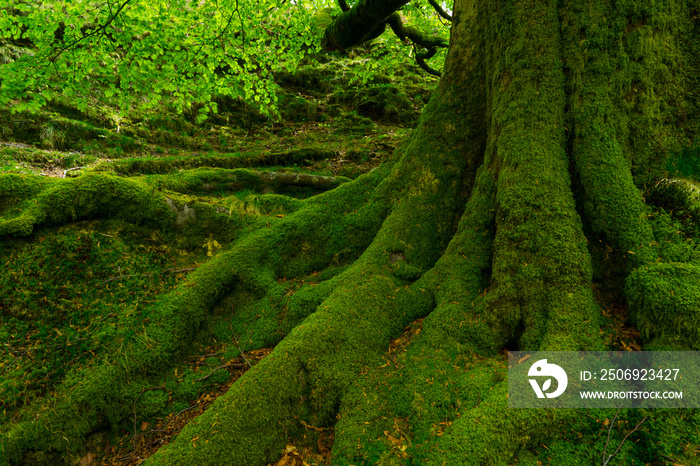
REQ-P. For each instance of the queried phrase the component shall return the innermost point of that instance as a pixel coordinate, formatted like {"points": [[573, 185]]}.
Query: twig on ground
{"points": [[70, 170], [610, 426], [235, 340], [605, 450], [13, 361], [143, 390], [224, 366]]}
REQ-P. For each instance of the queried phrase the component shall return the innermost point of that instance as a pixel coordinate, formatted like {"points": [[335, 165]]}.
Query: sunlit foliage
{"points": [[138, 53]]}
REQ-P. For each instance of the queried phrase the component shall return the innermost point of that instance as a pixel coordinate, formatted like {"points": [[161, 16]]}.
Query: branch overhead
{"points": [[440, 10], [359, 24], [368, 19]]}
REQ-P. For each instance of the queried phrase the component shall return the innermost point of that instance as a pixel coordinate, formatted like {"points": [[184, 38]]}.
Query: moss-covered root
{"points": [[19, 187], [676, 195], [219, 179], [540, 293], [89, 196], [612, 205], [664, 301], [460, 278], [107, 389], [441, 411], [163, 165], [301, 380], [343, 223], [492, 433], [305, 376], [408, 396]]}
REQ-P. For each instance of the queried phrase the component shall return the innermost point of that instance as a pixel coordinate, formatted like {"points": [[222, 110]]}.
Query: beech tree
{"points": [[526, 186]]}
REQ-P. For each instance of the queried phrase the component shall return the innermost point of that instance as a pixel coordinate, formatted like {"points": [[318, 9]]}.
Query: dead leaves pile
{"points": [[623, 336]]}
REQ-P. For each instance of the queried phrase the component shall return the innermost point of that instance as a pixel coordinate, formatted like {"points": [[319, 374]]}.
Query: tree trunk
{"points": [[492, 225]]}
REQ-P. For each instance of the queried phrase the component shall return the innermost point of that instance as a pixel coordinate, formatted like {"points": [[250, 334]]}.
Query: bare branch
{"points": [[440, 11], [359, 24], [368, 19], [421, 58], [223, 366], [403, 32], [98, 30], [13, 361], [605, 450]]}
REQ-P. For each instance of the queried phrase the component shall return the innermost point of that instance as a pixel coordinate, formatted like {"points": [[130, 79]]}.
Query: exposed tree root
{"points": [[309, 371], [61, 201], [415, 408], [147, 166], [105, 391], [663, 302], [218, 180], [612, 205], [414, 394], [541, 282], [676, 195]]}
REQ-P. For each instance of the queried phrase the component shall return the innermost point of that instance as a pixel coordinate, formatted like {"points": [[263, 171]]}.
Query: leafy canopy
{"points": [[182, 49], [139, 53]]}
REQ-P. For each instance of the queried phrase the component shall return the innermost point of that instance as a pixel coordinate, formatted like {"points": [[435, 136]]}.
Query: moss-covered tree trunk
{"points": [[492, 224]]}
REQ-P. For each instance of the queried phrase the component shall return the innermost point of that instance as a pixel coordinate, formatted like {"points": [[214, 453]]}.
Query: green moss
{"points": [[78, 294], [162, 165], [630, 88], [310, 367], [388, 103], [664, 434], [60, 287], [104, 392], [220, 181], [51, 130], [274, 204], [491, 432], [89, 196], [458, 323], [16, 188], [492, 257], [680, 197], [664, 300], [309, 370], [685, 163], [296, 108], [541, 273], [411, 396]]}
